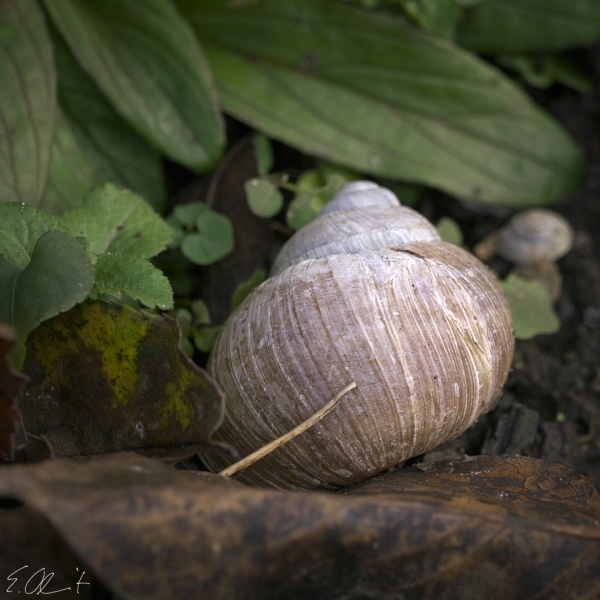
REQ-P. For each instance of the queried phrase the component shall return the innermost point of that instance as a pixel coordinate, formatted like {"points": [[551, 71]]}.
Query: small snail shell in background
{"points": [[534, 235], [421, 326]]}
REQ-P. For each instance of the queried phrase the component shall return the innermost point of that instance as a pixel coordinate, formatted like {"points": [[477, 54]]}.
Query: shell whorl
{"points": [[350, 227], [360, 194]]}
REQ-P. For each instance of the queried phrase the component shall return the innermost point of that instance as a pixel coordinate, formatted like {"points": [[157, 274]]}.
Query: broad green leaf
{"points": [[214, 238], [27, 101], [120, 274], [370, 92], [505, 26], [264, 198], [145, 59], [531, 308], [59, 275], [20, 228], [244, 288], [117, 220], [438, 16], [93, 144], [263, 152], [72, 174], [450, 231]]}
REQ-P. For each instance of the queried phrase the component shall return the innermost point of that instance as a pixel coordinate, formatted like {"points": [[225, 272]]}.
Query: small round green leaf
{"points": [[264, 199]]}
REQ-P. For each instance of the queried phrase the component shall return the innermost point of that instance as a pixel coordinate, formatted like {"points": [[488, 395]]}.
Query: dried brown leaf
{"points": [[488, 527], [35, 560]]}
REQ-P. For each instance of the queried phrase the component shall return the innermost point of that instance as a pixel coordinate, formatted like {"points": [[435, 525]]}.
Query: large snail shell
{"points": [[422, 328]]}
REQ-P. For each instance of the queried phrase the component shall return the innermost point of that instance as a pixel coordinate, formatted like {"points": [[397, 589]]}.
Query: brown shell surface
{"points": [[424, 330], [350, 230]]}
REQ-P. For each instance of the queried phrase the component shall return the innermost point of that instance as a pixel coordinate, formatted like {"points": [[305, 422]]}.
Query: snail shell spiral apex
{"points": [[360, 194]]}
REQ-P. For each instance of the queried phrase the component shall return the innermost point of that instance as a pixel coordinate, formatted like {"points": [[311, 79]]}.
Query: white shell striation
{"points": [[422, 327]]}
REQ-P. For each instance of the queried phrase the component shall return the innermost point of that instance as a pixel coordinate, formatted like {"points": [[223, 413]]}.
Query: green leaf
{"points": [[116, 220], [187, 214], [20, 228], [214, 237], [93, 144], [263, 151], [506, 26], [72, 174], [204, 338], [177, 231], [27, 101], [306, 204], [145, 59], [438, 16], [264, 198], [370, 92], [543, 71], [450, 231], [59, 275], [120, 274], [201, 312], [244, 288], [530, 306]]}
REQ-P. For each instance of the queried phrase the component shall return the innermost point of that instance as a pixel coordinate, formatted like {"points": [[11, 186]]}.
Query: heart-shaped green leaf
{"points": [[214, 238], [145, 58], [370, 92], [27, 101]]}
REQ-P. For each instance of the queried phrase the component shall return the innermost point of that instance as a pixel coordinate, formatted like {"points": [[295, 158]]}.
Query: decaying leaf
{"points": [[11, 382], [106, 378], [483, 527], [34, 559]]}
